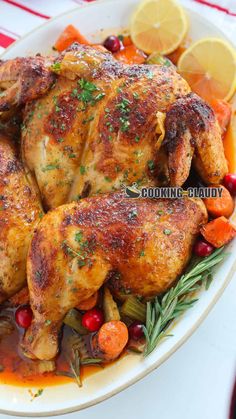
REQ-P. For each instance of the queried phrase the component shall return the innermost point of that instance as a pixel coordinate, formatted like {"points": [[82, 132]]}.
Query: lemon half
{"points": [[209, 67], [158, 26]]}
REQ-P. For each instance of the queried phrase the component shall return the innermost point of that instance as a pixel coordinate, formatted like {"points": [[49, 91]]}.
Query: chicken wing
{"points": [[23, 80], [191, 131], [20, 211], [138, 245]]}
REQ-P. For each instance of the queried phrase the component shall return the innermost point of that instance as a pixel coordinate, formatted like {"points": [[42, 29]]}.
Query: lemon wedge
{"points": [[209, 67], [158, 26]]}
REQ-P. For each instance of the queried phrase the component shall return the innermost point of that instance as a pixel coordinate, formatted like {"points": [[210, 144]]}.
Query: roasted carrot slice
{"points": [[131, 55], [68, 36], [90, 303], [219, 206], [110, 340], [229, 143], [218, 232], [222, 111], [126, 41]]}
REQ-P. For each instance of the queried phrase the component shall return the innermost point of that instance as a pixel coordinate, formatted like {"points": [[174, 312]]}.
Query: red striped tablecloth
{"points": [[17, 17]]}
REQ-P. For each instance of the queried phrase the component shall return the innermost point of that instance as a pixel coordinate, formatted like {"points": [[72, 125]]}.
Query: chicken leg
{"points": [[140, 246]]}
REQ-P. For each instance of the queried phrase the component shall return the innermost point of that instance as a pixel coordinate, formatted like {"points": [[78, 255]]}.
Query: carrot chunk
{"points": [[126, 41], [90, 303], [229, 143], [223, 112], [218, 232], [130, 55], [68, 36], [110, 340], [220, 206]]}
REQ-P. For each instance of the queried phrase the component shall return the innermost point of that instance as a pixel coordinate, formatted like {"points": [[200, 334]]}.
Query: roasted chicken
{"points": [[103, 124], [91, 125], [20, 211], [139, 246]]}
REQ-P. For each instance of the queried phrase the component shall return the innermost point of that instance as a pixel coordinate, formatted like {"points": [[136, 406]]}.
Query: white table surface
{"points": [[195, 383]]}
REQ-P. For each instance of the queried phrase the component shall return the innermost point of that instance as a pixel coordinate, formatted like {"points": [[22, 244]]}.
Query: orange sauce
{"points": [[230, 144], [17, 369]]}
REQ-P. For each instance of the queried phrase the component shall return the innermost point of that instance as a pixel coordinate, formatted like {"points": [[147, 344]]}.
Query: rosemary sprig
{"points": [[176, 301], [77, 357], [75, 366], [91, 361]]}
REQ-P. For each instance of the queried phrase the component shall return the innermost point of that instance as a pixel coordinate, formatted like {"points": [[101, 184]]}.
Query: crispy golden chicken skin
{"points": [[102, 124], [98, 126], [20, 211], [138, 245]]}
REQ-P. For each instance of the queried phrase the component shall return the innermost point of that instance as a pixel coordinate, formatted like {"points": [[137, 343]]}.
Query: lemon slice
{"points": [[158, 26], [209, 66]]}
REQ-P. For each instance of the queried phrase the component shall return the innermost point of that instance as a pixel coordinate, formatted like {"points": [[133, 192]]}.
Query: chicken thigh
{"points": [[140, 246], [20, 210], [103, 124]]}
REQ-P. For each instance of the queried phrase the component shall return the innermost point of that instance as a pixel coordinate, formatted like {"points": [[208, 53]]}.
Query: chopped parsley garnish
{"points": [[79, 236], [89, 119], [124, 124], [107, 179], [50, 167], [38, 274], [86, 94], [39, 392], [132, 214], [167, 232], [151, 165], [56, 66], [150, 75], [82, 170], [124, 108]]}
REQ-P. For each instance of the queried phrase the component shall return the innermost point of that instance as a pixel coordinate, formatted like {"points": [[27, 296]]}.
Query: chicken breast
{"points": [[140, 246], [20, 211], [103, 124]]}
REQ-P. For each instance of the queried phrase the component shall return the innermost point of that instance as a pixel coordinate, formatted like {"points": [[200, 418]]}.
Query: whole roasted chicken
{"points": [[92, 124]]}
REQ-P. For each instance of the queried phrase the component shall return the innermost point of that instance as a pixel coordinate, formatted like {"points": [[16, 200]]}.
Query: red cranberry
{"points": [[202, 248], [112, 43], [23, 316], [93, 319], [136, 330], [230, 183]]}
